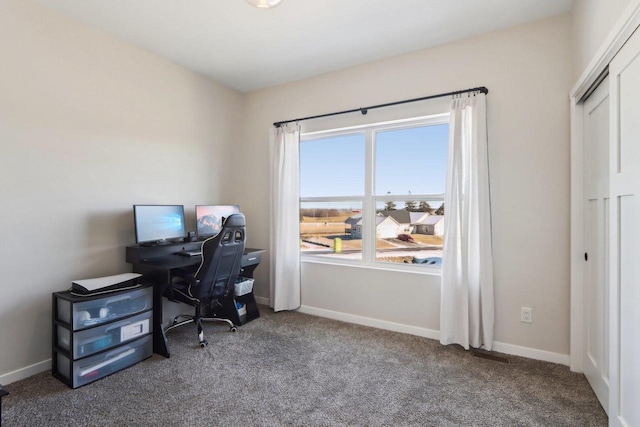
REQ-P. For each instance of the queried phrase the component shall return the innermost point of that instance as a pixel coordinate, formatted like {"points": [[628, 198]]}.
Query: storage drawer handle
{"points": [[251, 259]]}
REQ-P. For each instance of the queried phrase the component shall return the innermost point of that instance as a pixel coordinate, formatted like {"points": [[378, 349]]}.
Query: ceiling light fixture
{"points": [[264, 4]]}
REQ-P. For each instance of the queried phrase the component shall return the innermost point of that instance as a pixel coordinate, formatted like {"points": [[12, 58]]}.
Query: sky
{"points": [[408, 161]]}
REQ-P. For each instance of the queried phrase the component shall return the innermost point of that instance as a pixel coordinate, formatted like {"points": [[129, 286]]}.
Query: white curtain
{"points": [[466, 309], [285, 218]]}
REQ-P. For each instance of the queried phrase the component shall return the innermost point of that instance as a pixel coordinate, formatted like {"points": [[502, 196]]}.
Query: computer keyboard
{"points": [[189, 253]]}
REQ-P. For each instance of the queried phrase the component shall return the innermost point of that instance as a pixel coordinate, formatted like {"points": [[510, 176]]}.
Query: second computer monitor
{"points": [[209, 218]]}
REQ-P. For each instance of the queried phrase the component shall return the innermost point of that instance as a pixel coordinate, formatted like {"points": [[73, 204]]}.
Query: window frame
{"points": [[369, 198]]}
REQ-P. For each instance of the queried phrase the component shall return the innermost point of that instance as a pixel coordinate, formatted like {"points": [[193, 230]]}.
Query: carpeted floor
{"points": [[299, 370]]}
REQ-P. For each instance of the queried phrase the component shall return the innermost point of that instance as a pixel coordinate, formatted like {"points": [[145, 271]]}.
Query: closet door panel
{"points": [[629, 370], [629, 120], [596, 237], [625, 237]]}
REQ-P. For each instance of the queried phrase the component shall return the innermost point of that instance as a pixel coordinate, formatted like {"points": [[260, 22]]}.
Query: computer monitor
{"points": [[157, 224], [209, 218]]}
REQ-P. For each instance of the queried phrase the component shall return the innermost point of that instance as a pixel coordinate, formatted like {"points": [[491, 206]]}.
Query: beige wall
{"points": [[528, 72], [90, 126], [592, 22]]}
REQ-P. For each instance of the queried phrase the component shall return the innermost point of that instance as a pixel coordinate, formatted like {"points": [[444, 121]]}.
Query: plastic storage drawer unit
{"points": [[94, 340], [94, 312], [96, 335], [81, 372]]}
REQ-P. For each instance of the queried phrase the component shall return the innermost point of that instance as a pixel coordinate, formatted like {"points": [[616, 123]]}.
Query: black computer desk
{"points": [[156, 264]]}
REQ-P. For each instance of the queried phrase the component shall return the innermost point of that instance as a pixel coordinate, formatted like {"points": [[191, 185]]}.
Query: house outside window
{"points": [[375, 194]]}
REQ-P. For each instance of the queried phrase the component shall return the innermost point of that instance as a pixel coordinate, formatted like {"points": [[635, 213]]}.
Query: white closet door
{"points": [[624, 154], [596, 237]]}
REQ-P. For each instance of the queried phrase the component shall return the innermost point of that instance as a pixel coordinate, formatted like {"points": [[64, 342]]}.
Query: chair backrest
{"points": [[221, 259]]}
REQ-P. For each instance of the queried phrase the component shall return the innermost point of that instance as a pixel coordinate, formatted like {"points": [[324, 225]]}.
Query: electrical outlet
{"points": [[526, 314]]}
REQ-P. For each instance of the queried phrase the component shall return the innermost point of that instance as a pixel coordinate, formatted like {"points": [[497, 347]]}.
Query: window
{"points": [[332, 181], [375, 193]]}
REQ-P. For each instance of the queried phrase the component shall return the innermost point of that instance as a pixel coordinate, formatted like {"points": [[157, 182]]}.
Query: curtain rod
{"points": [[364, 110]]}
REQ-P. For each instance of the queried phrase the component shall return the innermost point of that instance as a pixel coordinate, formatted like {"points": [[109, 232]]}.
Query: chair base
{"points": [[192, 319]]}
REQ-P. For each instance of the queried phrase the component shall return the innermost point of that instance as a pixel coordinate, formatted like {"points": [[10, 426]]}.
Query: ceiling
{"points": [[248, 49]]}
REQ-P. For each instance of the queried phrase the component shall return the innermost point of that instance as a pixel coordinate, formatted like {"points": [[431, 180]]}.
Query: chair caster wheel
{"points": [[233, 329], [204, 343]]}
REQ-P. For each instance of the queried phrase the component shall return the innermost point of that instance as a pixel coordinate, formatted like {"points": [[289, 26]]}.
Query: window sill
{"points": [[413, 269]]}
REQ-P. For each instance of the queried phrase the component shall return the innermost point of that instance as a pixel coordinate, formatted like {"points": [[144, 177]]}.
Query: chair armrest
{"points": [[185, 275]]}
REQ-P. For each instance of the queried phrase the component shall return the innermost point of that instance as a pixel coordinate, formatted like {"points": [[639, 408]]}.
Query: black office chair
{"points": [[215, 278]]}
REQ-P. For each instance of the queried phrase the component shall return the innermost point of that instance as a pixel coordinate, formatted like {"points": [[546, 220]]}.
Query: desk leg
{"points": [[160, 345], [3, 393], [160, 279]]}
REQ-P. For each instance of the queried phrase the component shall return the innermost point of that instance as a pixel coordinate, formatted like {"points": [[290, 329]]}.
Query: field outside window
{"points": [[325, 229]]}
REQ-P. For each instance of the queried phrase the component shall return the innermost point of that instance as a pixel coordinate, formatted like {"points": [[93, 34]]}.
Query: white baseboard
{"points": [[25, 372], [368, 321], [532, 353], [515, 350], [262, 300]]}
